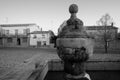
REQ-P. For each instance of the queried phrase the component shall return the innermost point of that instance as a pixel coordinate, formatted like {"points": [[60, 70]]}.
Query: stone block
{"points": [[56, 65]]}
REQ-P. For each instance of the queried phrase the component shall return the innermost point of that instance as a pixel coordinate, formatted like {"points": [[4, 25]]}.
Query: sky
{"points": [[50, 14]]}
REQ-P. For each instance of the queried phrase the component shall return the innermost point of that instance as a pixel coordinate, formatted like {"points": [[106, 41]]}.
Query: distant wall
{"points": [[13, 42], [115, 44]]}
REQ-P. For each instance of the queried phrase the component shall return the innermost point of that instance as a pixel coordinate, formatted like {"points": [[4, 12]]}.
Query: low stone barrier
{"points": [[39, 73], [34, 68], [57, 65]]}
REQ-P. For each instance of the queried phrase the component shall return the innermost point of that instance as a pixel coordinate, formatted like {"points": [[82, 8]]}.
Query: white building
{"points": [[41, 38], [13, 29], [16, 35]]}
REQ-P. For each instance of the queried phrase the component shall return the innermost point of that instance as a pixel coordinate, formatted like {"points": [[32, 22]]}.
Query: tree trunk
{"points": [[106, 48]]}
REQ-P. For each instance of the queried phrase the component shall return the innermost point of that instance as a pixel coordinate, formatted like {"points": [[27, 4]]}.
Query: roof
{"points": [[16, 25], [40, 32], [99, 27], [43, 32]]}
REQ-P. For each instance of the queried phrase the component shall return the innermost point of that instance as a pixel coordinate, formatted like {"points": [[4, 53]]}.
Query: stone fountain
{"points": [[74, 47]]}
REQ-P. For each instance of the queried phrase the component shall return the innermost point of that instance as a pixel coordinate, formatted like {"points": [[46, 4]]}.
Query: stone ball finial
{"points": [[73, 8]]}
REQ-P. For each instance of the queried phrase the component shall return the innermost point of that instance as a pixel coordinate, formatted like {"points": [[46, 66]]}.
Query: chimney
{"points": [[112, 24], [41, 29]]}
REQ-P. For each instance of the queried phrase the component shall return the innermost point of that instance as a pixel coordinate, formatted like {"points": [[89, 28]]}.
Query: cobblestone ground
{"points": [[11, 57]]}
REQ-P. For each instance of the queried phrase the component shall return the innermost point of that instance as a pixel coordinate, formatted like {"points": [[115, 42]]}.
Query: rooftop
{"points": [[40, 32], [100, 27], [16, 25]]}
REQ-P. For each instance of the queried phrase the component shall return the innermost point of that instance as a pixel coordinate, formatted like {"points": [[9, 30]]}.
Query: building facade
{"points": [[98, 32], [15, 35], [41, 38]]}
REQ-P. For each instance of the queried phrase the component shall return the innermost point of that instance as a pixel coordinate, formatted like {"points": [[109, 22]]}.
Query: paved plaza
{"points": [[12, 57]]}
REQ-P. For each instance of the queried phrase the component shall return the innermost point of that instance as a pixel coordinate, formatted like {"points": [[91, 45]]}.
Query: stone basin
{"points": [[98, 70], [95, 75], [76, 43]]}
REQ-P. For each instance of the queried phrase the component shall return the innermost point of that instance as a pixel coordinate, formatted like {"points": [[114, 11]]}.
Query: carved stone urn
{"points": [[74, 47]]}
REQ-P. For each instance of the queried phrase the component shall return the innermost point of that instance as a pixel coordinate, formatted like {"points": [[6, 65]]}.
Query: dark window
{"points": [[26, 31], [43, 35], [24, 39], [16, 31], [1, 41], [34, 37], [18, 41], [9, 40], [7, 32], [44, 42]]}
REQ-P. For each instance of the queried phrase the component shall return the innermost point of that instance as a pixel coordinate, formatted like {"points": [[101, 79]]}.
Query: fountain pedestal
{"points": [[74, 47]]}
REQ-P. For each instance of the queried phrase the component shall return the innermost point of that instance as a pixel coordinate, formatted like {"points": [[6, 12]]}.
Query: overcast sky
{"points": [[49, 14]]}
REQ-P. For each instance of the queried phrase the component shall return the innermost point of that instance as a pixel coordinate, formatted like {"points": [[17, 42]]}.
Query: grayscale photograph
{"points": [[59, 40]]}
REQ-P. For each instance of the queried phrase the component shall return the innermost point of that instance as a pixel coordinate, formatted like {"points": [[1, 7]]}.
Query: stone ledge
{"points": [[57, 65], [39, 73]]}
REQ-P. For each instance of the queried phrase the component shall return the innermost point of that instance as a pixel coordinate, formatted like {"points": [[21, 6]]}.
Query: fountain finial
{"points": [[73, 8], [74, 46]]}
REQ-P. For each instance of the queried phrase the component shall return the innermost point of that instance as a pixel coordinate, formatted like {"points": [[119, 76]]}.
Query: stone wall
{"points": [[115, 44]]}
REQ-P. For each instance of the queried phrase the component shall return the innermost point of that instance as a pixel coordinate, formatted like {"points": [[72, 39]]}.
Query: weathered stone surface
{"points": [[69, 44], [74, 26], [73, 8], [74, 46]]}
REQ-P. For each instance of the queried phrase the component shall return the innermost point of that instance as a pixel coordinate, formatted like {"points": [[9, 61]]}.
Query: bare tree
{"points": [[106, 22]]}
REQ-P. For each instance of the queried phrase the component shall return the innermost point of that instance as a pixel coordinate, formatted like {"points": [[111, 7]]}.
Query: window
{"points": [[7, 32], [44, 43], [16, 31], [9, 40], [1, 41], [24, 40], [24, 31], [43, 35], [3, 31], [34, 37], [27, 30]]}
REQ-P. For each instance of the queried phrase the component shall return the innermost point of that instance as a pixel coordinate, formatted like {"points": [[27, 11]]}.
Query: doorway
{"points": [[38, 43], [18, 41]]}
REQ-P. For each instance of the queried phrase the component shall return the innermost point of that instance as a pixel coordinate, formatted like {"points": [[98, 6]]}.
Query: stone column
{"points": [[74, 47]]}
